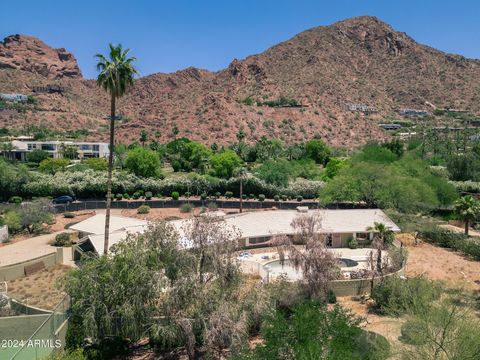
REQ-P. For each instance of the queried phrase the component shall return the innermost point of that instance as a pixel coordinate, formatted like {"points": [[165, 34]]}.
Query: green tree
{"points": [[467, 210], [52, 165], [224, 164], [332, 168], [269, 149], [115, 77], [37, 156], [318, 151], [275, 172], [143, 137], [143, 162], [382, 238], [34, 214], [187, 155], [99, 164], [12, 179]]}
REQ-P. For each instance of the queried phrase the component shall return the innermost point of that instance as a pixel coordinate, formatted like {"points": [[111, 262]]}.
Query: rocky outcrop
{"points": [[27, 53]]}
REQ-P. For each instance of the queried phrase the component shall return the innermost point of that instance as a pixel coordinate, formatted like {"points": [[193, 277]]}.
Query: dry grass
{"points": [[41, 289]]}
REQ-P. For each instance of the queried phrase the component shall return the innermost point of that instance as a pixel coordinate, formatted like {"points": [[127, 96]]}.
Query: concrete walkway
{"points": [[29, 249]]}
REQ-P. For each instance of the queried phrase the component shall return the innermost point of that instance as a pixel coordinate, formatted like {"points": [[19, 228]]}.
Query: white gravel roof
{"points": [[95, 225]]}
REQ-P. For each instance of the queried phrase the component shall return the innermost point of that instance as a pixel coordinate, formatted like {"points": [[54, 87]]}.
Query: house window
{"points": [[48, 147], [96, 147], [362, 236], [31, 146]]}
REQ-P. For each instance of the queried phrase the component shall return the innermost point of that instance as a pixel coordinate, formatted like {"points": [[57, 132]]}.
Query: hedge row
{"points": [[93, 184], [452, 240]]}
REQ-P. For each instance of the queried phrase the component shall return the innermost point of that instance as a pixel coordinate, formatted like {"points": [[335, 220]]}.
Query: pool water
{"points": [[275, 268]]}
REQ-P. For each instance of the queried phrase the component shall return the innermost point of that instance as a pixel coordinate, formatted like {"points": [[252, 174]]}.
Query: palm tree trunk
{"points": [[241, 195], [109, 178], [467, 225]]}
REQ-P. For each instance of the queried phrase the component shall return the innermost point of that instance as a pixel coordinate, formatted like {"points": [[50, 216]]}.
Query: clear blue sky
{"points": [[167, 36]]}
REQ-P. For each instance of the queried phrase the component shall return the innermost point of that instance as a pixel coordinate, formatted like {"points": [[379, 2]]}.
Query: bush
{"points": [[126, 196], [251, 196], [276, 198], [470, 247], [299, 198], [442, 237], [217, 194], [203, 196], [331, 297], [261, 197], [372, 346], [410, 332], [228, 194], [212, 206], [395, 296], [284, 197], [148, 195], [68, 215], [353, 244], [175, 195], [119, 197], [136, 195], [15, 200], [143, 209], [62, 239], [186, 208], [187, 194]]}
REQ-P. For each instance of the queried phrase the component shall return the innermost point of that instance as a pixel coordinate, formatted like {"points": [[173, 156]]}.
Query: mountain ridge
{"points": [[359, 60]]}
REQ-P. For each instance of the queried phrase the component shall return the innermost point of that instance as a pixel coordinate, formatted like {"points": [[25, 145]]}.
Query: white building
{"points": [[56, 149], [256, 228]]}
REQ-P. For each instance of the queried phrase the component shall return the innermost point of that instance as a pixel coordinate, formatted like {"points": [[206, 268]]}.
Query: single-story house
{"points": [[256, 227]]}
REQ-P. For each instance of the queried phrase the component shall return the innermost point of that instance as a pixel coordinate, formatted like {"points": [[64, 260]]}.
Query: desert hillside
{"points": [[357, 61]]}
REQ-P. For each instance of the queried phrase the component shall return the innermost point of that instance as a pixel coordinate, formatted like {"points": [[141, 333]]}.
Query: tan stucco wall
{"points": [[15, 271]]}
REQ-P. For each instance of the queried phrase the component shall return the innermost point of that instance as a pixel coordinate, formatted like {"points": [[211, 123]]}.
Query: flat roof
{"points": [[95, 225], [278, 222]]}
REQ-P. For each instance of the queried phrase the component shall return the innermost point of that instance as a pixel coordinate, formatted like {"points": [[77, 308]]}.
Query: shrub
{"points": [[299, 198], [68, 215], [284, 197], [410, 332], [148, 195], [470, 247], [15, 200], [187, 194], [212, 205], [442, 237], [186, 208], [143, 209], [251, 196], [119, 196], [62, 239], [136, 195], [228, 194], [175, 195], [353, 244], [276, 198], [141, 192], [126, 196], [261, 197], [373, 346], [331, 297], [396, 296], [203, 196], [13, 220], [217, 194]]}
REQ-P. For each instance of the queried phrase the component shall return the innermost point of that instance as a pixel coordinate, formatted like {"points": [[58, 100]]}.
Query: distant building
{"points": [[19, 149], [390, 126], [14, 97], [50, 89], [412, 112], [361, 108]]}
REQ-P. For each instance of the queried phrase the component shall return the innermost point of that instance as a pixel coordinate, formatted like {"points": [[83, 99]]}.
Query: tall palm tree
{"points": [[467, 209], [241, 174], [382, 236], [115, 77]]}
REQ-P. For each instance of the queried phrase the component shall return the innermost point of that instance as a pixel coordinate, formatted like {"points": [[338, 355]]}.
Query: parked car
{"points": [[64, 199]]}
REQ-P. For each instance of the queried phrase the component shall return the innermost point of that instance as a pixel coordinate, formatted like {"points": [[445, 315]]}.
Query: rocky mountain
{"points": [[320, 71], [27, 53]]}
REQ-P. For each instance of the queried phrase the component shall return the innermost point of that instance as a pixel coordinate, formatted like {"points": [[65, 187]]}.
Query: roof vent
{"points": [[302, 209]]}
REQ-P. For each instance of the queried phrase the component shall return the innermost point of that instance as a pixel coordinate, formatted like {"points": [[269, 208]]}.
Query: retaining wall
{"points": [[15, 271]]}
